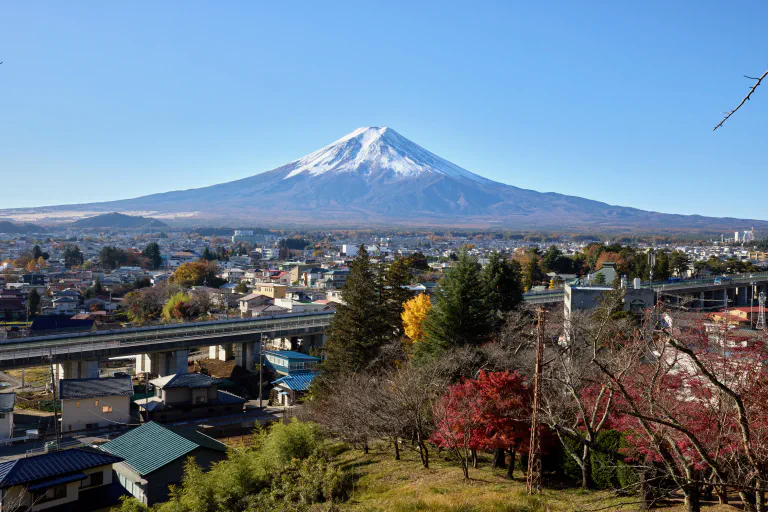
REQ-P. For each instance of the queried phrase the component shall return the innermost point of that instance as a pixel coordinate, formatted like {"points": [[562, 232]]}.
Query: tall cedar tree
{"points": [[360, 326], [460, 314], [152, 253], [503, 279], [33, 301], [397, 278]]}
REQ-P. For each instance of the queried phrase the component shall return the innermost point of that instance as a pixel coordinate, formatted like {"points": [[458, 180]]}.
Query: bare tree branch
{"points": [[743, 101]]}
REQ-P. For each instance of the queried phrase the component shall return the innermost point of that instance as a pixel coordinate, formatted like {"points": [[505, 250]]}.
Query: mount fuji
{"points": [[376, 177]]}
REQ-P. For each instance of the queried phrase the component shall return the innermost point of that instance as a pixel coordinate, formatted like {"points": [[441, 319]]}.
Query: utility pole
{"points": [[54, 385], [651, 264], [760, 312], [533, 483], [261, 367]]}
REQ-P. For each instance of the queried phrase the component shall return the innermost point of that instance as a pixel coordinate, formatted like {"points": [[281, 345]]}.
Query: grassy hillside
{"points": [[386, 485]]}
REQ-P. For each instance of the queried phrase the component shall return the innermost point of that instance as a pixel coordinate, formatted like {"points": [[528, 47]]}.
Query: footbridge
{"points": [[701, 293], [162, 349]]}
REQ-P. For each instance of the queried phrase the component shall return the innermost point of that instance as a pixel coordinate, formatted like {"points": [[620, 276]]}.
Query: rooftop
{"points": [[88, 388], [151, 446], [291, 355], [184, 380], [40, 468]]}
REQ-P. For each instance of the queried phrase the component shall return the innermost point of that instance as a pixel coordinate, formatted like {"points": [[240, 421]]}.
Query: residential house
{"points": [[177, 259], [153, 458], [335, 278], [95, 402], [79, 479], [35, 279], [249, 302], [294, 306], [289, 362], [7, 404], [289, 389], [12, 309], [233, 275], [62, 306], [296, 272], [269, 310], [312, 277], [273, 291], [188, 395]]}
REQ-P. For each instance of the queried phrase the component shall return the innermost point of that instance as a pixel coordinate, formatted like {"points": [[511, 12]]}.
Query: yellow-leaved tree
{"points": [[413, 315]]}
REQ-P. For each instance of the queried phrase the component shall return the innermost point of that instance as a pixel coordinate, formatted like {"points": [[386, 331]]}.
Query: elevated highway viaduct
{"points": [[163, 350]]}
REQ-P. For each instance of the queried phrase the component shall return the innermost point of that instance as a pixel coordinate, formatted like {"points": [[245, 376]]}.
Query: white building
{"points": [[93, 403]]}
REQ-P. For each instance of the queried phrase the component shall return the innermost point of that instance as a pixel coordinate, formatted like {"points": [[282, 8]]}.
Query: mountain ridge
{"points": [[375, 176]]}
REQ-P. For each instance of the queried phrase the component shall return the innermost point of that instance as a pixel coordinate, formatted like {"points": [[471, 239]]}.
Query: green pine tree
{"points": [[503, 280], [396, 278], [359, 327], [152, 252], [33, 302], [460, 314], [207, 255]]}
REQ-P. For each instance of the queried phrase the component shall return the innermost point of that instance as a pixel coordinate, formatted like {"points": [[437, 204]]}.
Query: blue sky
{"points": [[612, 101]]}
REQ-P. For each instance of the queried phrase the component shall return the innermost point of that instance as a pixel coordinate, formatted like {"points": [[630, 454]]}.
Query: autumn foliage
{"points": [[489, 412], [413, 315]]}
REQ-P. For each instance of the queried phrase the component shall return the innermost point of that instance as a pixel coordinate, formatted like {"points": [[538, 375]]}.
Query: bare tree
{"points": [[758, 81]]}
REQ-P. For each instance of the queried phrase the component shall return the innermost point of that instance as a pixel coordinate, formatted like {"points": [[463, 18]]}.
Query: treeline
{"points": [[610, 416]]}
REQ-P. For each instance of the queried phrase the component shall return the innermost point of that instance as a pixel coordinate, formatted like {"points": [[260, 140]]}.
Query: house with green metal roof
{"points": [[153, 458], [79, 479]]}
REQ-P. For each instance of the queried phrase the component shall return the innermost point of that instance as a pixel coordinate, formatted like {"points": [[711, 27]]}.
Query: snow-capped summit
{"points": [[376, 150]]}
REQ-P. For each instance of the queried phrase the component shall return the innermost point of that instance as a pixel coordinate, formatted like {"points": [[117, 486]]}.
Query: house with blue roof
{"points": [[287, 390], [289, 362], [79, 479]]}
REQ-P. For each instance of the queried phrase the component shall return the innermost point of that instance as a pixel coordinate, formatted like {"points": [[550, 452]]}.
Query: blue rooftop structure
{"points": [[298, 382], [289, 362]]}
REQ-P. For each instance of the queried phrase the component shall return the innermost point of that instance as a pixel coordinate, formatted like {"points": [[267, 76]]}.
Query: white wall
{"points": [[76, 414]]}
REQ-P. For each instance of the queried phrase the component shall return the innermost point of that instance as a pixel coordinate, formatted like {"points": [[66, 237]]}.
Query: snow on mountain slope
{"points": [[375, 149]]}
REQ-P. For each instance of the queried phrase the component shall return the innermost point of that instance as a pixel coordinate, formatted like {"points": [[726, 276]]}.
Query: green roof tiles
{"points": [[152, 446]]}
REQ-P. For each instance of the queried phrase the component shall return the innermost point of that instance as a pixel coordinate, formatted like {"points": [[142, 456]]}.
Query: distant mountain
{"points": [[118, 221], [11, 227], [377, 177]]}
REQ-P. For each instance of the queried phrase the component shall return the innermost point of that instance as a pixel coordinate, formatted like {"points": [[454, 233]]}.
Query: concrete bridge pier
{"points": [[221, 352], [163, 363], [247, 354], [742, 295], [78, 369]]}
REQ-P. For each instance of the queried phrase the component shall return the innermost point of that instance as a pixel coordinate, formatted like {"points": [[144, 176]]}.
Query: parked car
{"points": [[722, 279]]}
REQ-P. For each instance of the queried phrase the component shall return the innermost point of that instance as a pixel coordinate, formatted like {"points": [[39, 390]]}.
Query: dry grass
{"points": [[37, 376], [386, 485]]}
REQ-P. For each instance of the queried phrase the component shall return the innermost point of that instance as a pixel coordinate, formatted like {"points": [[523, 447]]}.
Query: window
{"points": [[2, 416], [95, 403], [56, 493], [77, 404], [200, 399], [106, 408], [94, 480]]}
